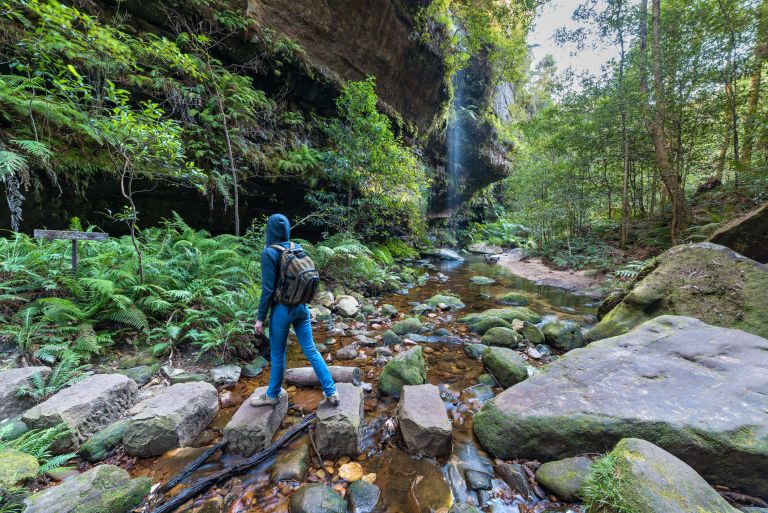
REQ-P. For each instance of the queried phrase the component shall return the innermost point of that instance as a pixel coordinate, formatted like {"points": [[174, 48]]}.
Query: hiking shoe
{"points": [[333, 399], [265, 400]]}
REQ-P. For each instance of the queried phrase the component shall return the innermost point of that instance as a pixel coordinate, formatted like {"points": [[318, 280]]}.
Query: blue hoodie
{"points": [[278, 232]]}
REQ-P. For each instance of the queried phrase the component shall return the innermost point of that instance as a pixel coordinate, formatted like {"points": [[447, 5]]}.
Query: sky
{"points": [[556, 14]]}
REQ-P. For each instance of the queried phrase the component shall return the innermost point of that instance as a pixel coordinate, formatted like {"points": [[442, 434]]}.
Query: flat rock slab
{"points": [[424, 422], [85, 407], [102, 489], [171, 419], [11, 404], [252, 428], [339, 428], [696, 390]]}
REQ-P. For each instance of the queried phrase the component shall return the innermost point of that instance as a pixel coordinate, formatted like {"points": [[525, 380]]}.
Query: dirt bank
{"points": [[535, 269]]}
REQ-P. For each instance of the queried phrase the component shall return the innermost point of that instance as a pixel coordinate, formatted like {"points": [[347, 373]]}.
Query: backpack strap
{"points": [[279, 247]]}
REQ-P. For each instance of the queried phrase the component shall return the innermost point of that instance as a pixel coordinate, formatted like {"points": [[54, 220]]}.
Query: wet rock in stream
{"points": [[564, 478], [505, 365], [291, 466], [502, 337], [225, 375], [424, 423], [563, 335], [339, 428], [316, 498], [410, 325], [407, 368], [362, 497], [252, 428]]}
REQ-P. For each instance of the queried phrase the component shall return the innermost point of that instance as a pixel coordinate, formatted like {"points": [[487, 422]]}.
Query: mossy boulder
{"points": [[639, 477], [475, 350], [514, 299], [316, 498], [291, 466], [388, 310], [508, 314], [407, 368], [502, 337], [532, 333], [506, 365], [705, 281], [105, 488], [564, 478], [675, 381], [483, 325], [141, 374], [452, 302], [409, 325], [100, 445], [16, 467], [563, 335], [390, 338]]}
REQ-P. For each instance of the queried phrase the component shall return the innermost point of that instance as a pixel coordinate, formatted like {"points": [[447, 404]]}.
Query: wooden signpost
{"points": [[74, 237]]}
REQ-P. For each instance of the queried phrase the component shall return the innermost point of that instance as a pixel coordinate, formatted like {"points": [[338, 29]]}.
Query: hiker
{"points": [[288, 283]]}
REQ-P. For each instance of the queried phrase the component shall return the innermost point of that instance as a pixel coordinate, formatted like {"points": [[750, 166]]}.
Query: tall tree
{"points": [[760, 54]]}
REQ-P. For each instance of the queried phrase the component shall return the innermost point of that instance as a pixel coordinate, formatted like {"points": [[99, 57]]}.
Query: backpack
{"points": [[298, 279]]}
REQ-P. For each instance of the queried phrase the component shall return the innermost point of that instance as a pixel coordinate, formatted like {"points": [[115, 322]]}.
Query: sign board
{"points": [[74, 237]]}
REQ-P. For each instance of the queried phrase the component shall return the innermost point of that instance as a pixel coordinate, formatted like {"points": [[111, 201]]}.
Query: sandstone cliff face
{"points": [[353, 39]]}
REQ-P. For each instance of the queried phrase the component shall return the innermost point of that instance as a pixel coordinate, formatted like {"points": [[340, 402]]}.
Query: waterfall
{"points": [[454, 155]]}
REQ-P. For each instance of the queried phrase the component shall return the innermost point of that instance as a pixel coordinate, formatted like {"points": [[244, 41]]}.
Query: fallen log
{"points": [[204, 484], [305, 376], [196, 464]]}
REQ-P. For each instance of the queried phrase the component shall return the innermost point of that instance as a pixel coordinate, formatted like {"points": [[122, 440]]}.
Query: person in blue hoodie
{"points": [[281, 319]]}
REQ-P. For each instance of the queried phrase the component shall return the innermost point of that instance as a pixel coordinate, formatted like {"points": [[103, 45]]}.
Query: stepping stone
{"points": [[171, 419], [252, 428], [225, 375], [11, 404], [424, 422], [339, 429], [86, 407], [105, 488]]}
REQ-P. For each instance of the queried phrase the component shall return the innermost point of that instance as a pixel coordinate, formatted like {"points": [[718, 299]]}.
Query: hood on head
{"points": [[278, 229]]}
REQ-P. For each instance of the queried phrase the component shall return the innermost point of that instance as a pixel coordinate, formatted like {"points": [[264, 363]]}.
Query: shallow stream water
{"points": [[409, 484]]}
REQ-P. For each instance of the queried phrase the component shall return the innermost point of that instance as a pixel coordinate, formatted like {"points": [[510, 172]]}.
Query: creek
{"points": [[409, 484]]}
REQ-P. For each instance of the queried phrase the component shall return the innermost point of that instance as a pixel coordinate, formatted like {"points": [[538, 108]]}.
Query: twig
{"points": [[201, 486]]}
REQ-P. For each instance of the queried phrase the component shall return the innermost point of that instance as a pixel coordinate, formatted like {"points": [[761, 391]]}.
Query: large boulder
{"points": [[424, 422], [316, 498], [11, 404], [485, 248], [105, 488], [85, 408], [508, 314], [252, 428], [506, 365], [445, 254], [171, 419], [705, 281], [407, 368], [339, 430], [563, 335], [691, 388], [747, 234], [640, 477]]}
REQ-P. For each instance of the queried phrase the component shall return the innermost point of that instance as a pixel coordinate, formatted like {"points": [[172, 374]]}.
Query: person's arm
{"points": [[268, 282]]}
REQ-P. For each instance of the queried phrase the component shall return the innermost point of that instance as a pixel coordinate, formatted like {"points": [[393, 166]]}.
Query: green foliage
{"points": [[64, 374], [197, 288], [579, 253], [606, 487], [39, 443], [384, 181], [502, 233]]}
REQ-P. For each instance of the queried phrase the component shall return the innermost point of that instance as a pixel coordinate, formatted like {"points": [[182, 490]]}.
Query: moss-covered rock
{"points": [[675, 381], [452, 302], [388, 310], [483, 325], [502, 337], [407, 368], [316, 498], [514, 299], [532, 333], [564, 478], [507, 314], [409, 325], [475, 350], [291, 466], [101, 444], [16, 467], [105, 488], [639, 477], [482, 280], [390, 338], [563, 335], [507, 366], [141, 374], [705, 281]]}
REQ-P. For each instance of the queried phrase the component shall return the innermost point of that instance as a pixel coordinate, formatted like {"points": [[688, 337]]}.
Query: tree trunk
{"points": [[624, 138], [761, 52], [306, 377], [669, 176]]}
